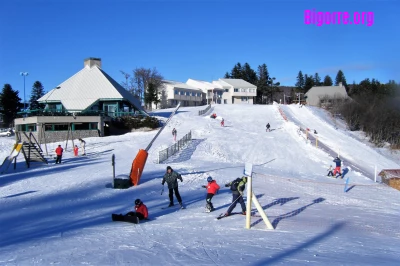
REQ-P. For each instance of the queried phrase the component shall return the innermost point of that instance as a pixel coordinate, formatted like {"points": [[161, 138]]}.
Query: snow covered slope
{"points": [[61, 214]]}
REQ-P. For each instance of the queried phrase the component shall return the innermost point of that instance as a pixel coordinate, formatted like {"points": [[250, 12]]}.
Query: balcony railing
{"points": [[49, 112]]}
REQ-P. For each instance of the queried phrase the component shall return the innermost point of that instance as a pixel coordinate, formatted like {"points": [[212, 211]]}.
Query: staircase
{"points": [[33, 152]]}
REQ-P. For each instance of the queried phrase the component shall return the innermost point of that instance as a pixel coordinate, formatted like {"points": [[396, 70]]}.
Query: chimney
{"points": [[340, 84], [91, 62]]}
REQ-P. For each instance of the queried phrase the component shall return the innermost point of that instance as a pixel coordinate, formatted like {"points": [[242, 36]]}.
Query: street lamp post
{"points": [[24, 74]]}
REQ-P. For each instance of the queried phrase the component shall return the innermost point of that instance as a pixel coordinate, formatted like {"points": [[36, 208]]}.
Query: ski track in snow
{"points": [[61, 214]]}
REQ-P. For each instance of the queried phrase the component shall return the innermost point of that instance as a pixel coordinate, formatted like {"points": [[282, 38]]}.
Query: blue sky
{"points": [[193, 39]]}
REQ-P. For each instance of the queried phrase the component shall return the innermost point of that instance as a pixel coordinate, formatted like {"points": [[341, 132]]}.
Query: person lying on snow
{"points": [[141, 213]]}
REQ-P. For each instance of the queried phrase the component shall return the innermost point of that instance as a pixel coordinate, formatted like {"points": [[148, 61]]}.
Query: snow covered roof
{"points": [[203, 84], [86, 87], [328, 90], [238, 83], [178, 84]]}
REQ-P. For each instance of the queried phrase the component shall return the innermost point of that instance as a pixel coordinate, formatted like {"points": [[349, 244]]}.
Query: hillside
{"points": [[61, 214]]}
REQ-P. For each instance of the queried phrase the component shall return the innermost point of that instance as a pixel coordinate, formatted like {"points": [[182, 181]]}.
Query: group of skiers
{"points": [[337, 169], [59, 150], [171, 177]]}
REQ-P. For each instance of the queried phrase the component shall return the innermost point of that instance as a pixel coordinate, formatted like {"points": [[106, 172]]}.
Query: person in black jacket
{"points": [[237, 186], [338, 166], [171, 178], [268, 126]]}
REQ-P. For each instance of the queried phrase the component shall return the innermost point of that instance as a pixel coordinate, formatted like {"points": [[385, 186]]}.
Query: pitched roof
{"points": [[238, 83], [329, 90], [178, 84], [86, 87], [204, 84]]}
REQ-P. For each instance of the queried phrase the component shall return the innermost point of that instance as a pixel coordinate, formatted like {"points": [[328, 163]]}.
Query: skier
{"points": [[141, 213], [174, 132], [237, 186], [222, 122], [171, 177], [212, 188], [338, 165], [330, 171], [268, 126], [59, 152], [315, 131], [83, 144], [76, 149]]}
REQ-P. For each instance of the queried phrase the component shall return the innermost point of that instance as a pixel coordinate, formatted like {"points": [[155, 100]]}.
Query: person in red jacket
{"points": [[212, 188], [76, 150], [59, 152], [141, 213]]}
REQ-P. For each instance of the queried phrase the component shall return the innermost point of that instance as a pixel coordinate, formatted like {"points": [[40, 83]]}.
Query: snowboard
{"points": [[123, 218]]}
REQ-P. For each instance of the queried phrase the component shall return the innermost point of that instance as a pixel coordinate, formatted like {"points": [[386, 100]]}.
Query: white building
{"points": [[320, 94], [212, 93], [175, 91], [237, 91]]}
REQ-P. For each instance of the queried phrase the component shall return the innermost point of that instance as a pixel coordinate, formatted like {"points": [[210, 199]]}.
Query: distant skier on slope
{"points": [[330, 173], [268, 127], [212, 189], [222, 122], [174, 133]]}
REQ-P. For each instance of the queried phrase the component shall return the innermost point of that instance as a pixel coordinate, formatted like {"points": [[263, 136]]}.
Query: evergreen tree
{"points": [[317, 80], [227, 76], [340, 78], [300, 81], [237, 72], [309, 83], [249, 74], [328, 81], [151, 95], [37, 92], [262, 83], [10, 103]]}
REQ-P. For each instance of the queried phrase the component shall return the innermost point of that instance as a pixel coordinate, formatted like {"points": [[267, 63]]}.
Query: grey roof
{"points": [[327, 90], [238, 83], [86, 87]]}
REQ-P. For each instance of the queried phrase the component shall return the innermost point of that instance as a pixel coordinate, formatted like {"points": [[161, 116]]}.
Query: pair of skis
{"points": [[222, 215]]}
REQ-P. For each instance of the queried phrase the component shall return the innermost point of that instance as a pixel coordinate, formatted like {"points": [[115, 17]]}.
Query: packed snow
{"points": [[61, 214]]}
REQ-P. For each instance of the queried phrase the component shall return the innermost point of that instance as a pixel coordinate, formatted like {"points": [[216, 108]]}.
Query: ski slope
{"points": [[61, 214]]}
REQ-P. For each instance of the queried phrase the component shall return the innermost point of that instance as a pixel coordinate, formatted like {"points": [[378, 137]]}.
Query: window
{"points": [[225, 101], [236, 90], [176, 92], [187, 93], [181, 93], [81, 126], [48, 127], [226, 90], [60, 127], [93, 126], [244, 99]]}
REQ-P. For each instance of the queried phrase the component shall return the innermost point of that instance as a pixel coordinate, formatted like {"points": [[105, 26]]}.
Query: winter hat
{"points": [[138, 201], [209, 179], [169, 168]]}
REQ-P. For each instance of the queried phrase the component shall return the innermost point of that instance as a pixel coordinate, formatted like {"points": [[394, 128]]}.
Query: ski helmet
{"points": [[209, 179], [138, 202]]}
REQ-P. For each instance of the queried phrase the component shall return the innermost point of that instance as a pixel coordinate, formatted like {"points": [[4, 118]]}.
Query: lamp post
{"points": [[24, 74]]}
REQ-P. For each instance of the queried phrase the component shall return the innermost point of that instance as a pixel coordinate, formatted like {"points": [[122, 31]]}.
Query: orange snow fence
{"points": [[138, 166], [283, 114]]}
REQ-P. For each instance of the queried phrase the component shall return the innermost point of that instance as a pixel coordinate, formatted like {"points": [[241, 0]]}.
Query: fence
{"points": [[171, 150], [202, 112]]}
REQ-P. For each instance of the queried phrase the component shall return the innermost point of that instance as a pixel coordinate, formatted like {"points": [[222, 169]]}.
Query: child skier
{"points": [[222, 122], [330, 173], [140, 214], [212, 188], [338, 165], [76, 150]]}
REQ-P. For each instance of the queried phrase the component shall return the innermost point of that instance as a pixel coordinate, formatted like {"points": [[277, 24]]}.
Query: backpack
{"points": [[234, 184]]}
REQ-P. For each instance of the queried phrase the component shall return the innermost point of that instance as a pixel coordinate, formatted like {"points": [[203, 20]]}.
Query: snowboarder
{"points": [[59, 152], [338, 165], [237, 186], [268, 126], [83, 144], [222, 122], [315, 131], [330, 171], [76, 150], [174, 132], [141, 213], [212, 188], [171, 177]]}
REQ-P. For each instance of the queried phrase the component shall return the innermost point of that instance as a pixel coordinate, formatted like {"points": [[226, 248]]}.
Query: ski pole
{"points": [[162, 190], [235, 201]]}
